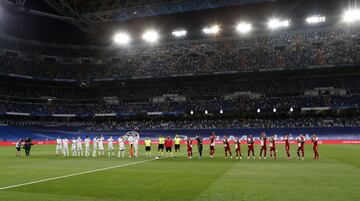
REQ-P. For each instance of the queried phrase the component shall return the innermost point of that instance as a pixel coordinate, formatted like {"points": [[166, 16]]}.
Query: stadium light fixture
{"points": [[206, 112], [291, 109], [244, 27], [179, 33], [258, 110], [221, 111], [122, 38], [274, 110], [151, 36], [191, 112], [351, 15], [315, 19], [275, 23], [213, 30]]}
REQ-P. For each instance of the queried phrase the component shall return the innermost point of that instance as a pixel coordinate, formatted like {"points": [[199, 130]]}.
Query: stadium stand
{"points": [[310, 75]]}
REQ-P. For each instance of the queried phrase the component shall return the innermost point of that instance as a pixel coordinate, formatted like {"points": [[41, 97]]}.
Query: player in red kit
{"points": [[168, 146], [287, 146], [212, 145], [315, 139], [250, 142], [300, 143], [189, 148], [238, 148], [272, 146], [262, 145], [227, 147]]}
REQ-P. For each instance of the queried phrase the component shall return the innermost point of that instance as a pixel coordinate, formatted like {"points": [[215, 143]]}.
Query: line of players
{"points": [[168, 143], [300, 140], [62, 146]]}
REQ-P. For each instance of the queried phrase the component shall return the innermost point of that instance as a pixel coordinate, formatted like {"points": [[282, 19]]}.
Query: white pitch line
{"points": [[74, 174]]}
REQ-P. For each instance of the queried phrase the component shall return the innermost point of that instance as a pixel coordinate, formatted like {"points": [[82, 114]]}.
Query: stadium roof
{"points": [[89, 14], [95, 21]]}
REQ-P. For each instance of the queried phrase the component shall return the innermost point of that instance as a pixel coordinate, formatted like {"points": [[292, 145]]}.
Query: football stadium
{"points": [[203, 100]]}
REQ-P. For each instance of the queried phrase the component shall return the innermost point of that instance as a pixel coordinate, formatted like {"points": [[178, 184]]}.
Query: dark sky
{"points": [[50, 30]]}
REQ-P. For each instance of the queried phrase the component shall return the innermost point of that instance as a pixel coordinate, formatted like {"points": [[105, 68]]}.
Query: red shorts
{"points": [[212, 148], [189, 149], [272, 148], [227, 149]]}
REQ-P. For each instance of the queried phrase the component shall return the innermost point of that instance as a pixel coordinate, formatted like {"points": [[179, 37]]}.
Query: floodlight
{"points": [[179, 33], [274, 110], [150, 36], [277, 23], [206, 112], [351, 15], [316, 19], [291, 109], [214, 29], [221, 111], [122, 38], [258, 110], [244, 27], [191, 112]]}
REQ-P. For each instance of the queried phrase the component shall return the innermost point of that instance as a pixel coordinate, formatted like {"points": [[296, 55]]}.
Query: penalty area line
{"points": [[74, 174]]}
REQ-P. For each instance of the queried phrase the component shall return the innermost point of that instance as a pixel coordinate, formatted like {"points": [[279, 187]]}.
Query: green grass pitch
{"points": [[336, 176]]}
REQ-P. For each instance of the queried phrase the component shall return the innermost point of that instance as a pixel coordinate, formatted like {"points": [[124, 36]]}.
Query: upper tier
{"points": [[278, 50]]}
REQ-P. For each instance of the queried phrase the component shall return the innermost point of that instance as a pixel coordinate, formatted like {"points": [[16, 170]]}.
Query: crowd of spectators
{"points": [[192, 124], [333, 46], [284, 85], [288, 50], [213, 95], [242, 103]]}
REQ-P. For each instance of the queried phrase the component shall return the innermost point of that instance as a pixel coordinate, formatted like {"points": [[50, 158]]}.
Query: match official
{"points": [[161, 144], [177, 141]]}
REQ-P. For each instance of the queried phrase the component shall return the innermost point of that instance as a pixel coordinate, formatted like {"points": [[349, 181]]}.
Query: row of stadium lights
{"points": [[152, 36], [258, 111]]}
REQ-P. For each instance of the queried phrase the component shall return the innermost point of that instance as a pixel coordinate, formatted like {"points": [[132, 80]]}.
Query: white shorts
{"points": [[121, 147]]}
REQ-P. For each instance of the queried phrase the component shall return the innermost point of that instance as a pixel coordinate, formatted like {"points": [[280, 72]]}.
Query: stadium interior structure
{"points": [[305, 77]]}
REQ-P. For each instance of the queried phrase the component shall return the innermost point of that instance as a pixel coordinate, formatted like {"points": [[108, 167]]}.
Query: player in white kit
{"points": [[73, 146], [130, 139], [79, 147], [121, 147], [58, 145], [110, 147], [87, 146], [95, 143], [101, 145], [65, 147], [136, 143]]}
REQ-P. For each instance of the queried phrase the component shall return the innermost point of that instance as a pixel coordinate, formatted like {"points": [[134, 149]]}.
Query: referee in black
{"points": [[199, 144]]}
